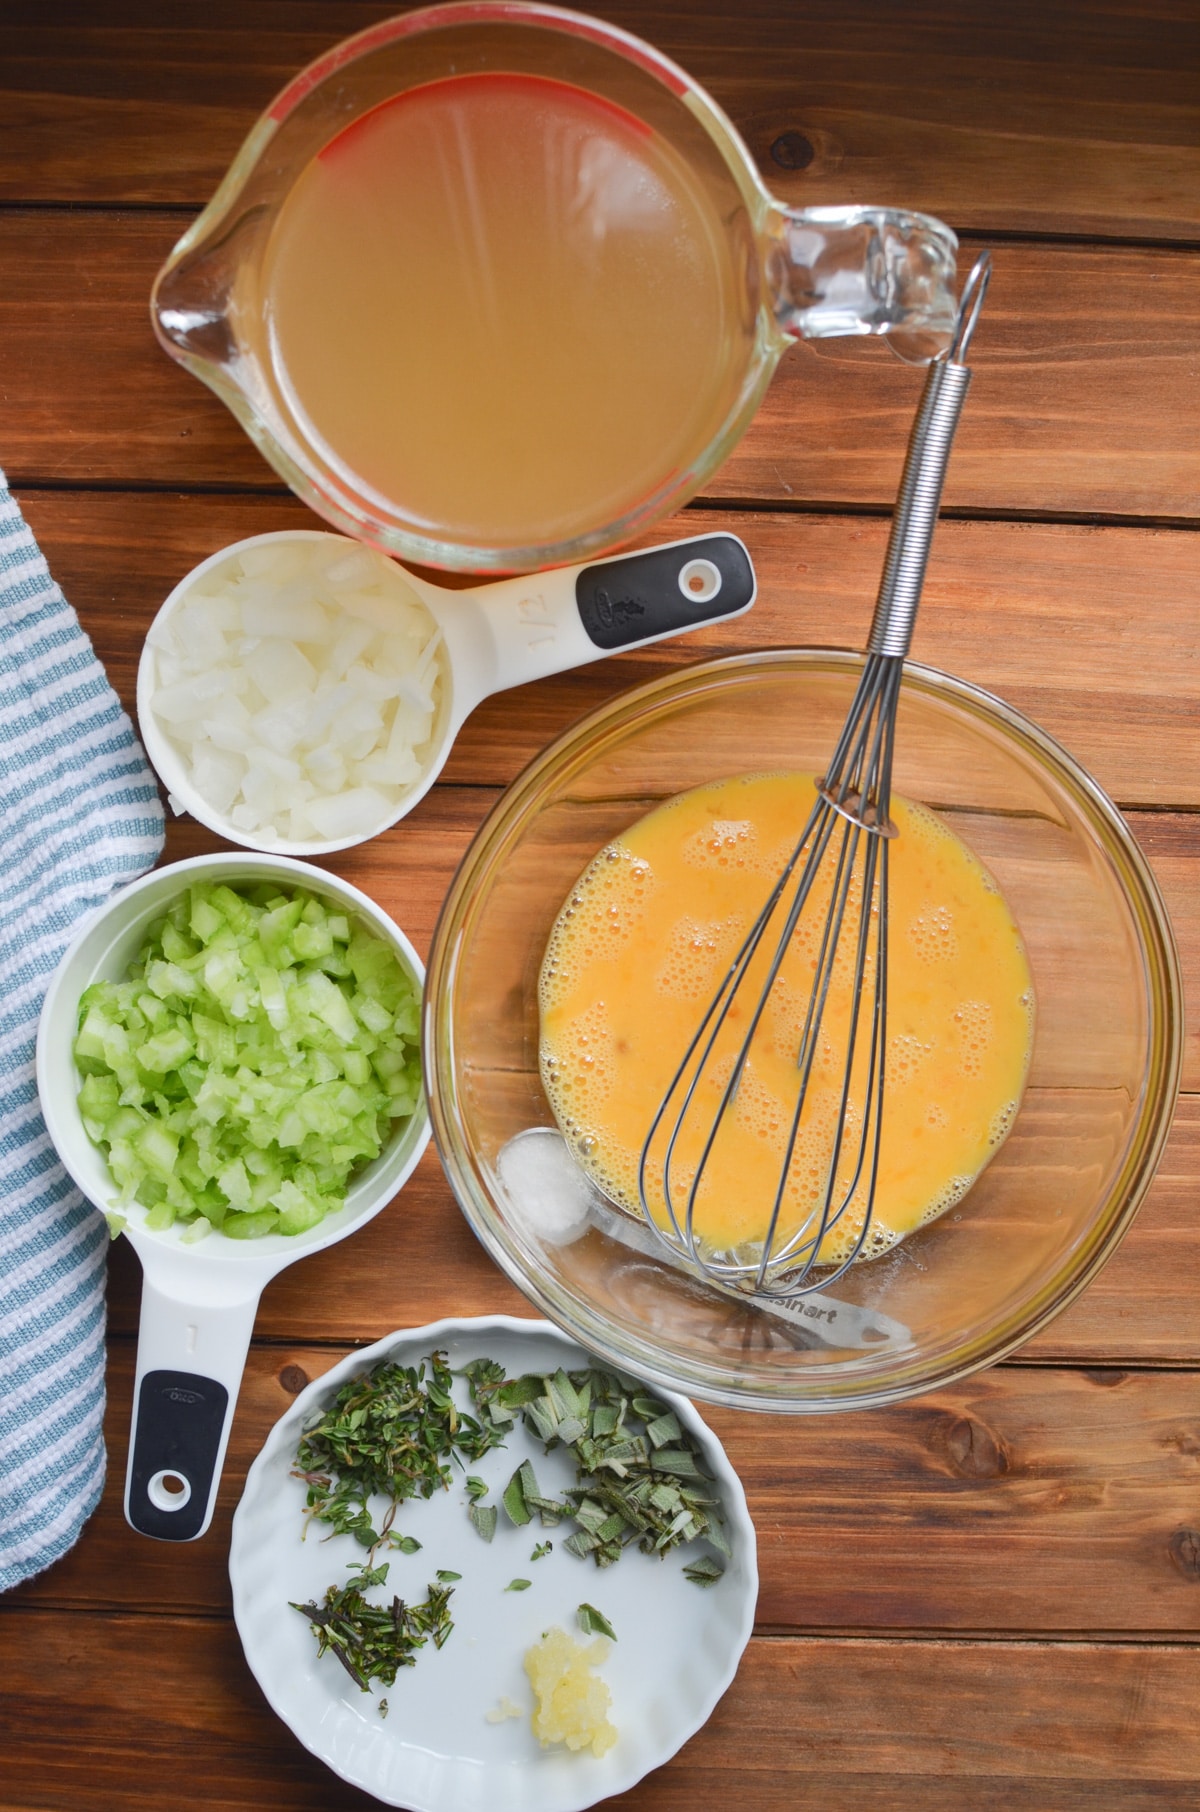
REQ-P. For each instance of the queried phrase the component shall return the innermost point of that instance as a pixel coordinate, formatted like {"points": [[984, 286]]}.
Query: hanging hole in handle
{"points": [[699, 581], [169, 1490]]}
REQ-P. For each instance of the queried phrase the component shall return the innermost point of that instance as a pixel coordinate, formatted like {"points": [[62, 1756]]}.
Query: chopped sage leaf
{"points": [[483, 1516], [639, 1476], [705, 1571], [594, 1623]]}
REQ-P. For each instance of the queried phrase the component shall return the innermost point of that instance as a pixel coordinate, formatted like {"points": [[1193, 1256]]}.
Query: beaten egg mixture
{"points": [[645, 940]]}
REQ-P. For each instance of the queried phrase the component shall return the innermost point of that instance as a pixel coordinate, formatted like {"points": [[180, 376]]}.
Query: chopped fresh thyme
{"points": [[476, 1487], [518, 1585], [373, 1641], [594, 1623], [446, 1577], [390, 1432], [541, 1550]]}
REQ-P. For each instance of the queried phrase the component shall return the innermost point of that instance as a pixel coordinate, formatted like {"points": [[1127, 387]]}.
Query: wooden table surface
{"points": [[983, 1599]]}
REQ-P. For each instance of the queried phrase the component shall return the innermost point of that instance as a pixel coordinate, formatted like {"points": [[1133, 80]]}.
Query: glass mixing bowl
{"points": [[1060, 1192]]}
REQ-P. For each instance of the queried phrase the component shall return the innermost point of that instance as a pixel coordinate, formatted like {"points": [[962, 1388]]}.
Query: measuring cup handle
{"points": [[551, 621], [836, 271], [189, 1366]]}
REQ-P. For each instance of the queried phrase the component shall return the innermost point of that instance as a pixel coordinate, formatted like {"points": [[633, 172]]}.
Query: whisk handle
{"points": [[917, 505], [916, 514]]}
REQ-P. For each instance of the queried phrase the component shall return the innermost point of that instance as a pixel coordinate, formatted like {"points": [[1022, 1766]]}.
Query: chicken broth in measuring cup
{"points": [[471, 295]]}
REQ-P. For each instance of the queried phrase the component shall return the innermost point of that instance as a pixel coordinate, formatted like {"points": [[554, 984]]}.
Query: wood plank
{"points": [[1025, 1500], [1079, 406], [1072, 118], [943, 1726], [1090, 632]]}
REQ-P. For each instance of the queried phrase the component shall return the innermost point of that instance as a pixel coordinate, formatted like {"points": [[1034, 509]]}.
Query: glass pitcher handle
{"points": [[838, 271]]}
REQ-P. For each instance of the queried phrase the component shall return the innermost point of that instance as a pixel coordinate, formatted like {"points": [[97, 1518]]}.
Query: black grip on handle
{"points": [[641, 596], [177, 1433]]}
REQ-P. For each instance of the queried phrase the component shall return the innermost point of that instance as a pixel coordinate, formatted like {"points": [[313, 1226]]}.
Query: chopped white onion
{"points": [[300, 686]]}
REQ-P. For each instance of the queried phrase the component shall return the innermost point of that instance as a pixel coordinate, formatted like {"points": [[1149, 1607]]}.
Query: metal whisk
{"points": [[841, 858]]}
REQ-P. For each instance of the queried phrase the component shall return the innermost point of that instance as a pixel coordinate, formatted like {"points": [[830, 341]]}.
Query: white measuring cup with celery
{"points": [[199, 1300]]}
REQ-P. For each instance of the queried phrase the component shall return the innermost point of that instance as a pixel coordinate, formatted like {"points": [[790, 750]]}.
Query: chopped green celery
{"points": [[298, 1209], [204, 919], [154, 1011], [375, 1017], [407, 1018], [271, 993], [176, 947], [157, 1150], [330, 1005], [222, 972], [311, 942], [235, 1184], [168, 980], [236, 911], [250, 1226], [258, 1124], [98, 1097], [215, 1041], [161, 1216], [165, 1051]]}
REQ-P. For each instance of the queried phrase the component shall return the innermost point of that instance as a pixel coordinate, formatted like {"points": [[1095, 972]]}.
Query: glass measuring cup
{"points": [[495, 285]]}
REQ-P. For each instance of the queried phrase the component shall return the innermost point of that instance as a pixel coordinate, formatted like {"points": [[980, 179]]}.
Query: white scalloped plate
{"points": [[678, 1644]]}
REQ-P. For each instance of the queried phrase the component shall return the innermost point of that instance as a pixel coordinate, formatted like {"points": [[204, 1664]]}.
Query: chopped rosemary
{"points": [[594, 1623], [373, 1641]]}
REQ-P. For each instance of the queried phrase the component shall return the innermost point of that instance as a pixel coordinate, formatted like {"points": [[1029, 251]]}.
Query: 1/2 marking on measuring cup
{"points": [[533, 613]]}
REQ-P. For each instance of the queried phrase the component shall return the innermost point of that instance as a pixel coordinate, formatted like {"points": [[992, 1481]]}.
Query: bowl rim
{"points": [[1160, 1085]]}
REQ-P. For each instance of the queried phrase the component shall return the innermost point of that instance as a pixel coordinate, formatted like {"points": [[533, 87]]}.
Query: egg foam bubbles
{"points": [[643, 943]]}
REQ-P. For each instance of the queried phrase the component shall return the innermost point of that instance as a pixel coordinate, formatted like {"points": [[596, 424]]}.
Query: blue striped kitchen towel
{"points": [[79, 815]]}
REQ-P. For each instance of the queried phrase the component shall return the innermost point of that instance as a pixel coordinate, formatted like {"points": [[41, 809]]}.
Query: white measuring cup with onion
{"points": [[199, 1300], [492, 637]]}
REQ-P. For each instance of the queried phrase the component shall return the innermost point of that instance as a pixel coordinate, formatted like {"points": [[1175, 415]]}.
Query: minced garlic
{"points": [[572, 1704]]}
